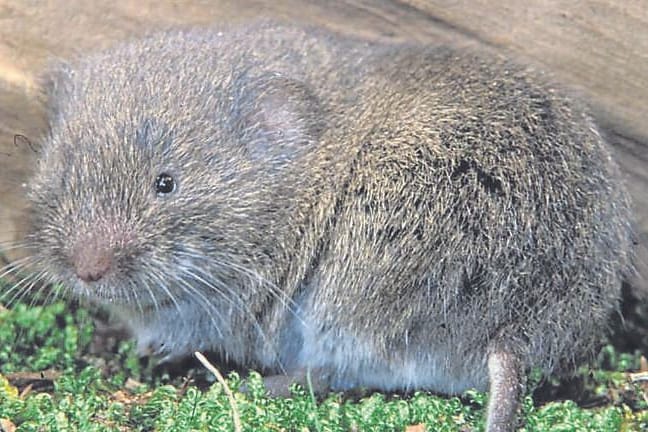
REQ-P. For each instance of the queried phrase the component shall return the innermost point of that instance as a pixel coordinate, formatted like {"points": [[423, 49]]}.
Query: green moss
{"points": [[91, 398], [42, 337]]}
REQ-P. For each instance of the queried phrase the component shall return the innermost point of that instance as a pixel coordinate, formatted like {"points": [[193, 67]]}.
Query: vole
{"points": [[392, 216]]}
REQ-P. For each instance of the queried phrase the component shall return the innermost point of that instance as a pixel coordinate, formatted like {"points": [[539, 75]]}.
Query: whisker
{"points": [[13, 287], [132, 292], [240, 305], [154, 279], [24, 287], [213, 312], [9, 245], [53, 293], [15, 267], [148, 284], [287, 302], [191, 270], [41, 282], [205, 302]]}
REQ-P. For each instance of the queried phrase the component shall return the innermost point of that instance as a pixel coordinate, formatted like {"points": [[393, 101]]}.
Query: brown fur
{"points": [[392, 215]]}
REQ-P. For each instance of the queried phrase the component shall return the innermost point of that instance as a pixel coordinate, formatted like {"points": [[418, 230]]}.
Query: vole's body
{"points": [[395, 216]]}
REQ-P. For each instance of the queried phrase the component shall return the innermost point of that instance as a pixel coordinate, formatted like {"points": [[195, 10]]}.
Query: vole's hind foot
{"points": [[279, 385], [507, 384]]}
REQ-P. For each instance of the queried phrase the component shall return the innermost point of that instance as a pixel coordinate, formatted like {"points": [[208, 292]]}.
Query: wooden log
{"points": [[600, 47]]}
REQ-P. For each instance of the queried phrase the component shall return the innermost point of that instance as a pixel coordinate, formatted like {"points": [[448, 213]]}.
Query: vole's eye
{"points": [[164, 184]]}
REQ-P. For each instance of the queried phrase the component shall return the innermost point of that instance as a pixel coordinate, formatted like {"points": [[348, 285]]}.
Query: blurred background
{"points": [[597, 47]]}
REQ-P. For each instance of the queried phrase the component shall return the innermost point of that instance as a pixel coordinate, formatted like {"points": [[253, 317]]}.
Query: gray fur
{"points": [[391, 214]]}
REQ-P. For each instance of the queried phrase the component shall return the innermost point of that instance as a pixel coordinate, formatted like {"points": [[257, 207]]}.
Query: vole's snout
{"points": [[92, 258]]}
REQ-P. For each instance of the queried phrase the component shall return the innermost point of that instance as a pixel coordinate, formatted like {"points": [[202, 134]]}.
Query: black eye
{"points": [[164, 184]]}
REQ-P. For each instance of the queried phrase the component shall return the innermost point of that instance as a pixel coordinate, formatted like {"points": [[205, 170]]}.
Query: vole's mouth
{"points": [[104, 294]]}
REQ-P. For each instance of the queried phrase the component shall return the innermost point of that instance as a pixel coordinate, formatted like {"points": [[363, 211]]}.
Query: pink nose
{"points": [[91, 260]]}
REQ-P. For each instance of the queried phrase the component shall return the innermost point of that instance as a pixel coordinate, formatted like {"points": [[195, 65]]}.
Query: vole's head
{"points": [[163, 168]]}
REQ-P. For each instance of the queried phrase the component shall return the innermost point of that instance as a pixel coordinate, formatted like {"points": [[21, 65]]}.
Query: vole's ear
{"points": [[53, 84], [279, 119]]}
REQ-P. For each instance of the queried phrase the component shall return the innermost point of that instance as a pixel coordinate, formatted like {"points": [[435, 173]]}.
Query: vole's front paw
{"points": [[107, 336], [159, 350], [279, 385]]}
